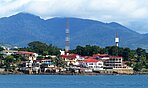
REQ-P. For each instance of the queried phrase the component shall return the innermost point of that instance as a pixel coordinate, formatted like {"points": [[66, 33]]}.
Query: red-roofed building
{"points": [[70, 56], [91, 59], [72, 59], [28, 55], [92, 63], [24, 52], [101, 56], [114, 62]]}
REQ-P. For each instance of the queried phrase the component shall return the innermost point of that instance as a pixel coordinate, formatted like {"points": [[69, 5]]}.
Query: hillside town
{"points": [[73, 63]]}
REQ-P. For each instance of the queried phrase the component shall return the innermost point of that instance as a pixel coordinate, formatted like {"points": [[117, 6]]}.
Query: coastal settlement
{"points": [[33, 63]]}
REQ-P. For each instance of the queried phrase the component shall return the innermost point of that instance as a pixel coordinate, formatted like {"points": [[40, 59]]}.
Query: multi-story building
{"points": [[114, 62], [71, 59], [92, 63]]}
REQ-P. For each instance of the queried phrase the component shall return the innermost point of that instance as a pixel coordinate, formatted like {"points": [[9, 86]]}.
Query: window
{"points": [[99, 63], [90, 63], [90, 66]]}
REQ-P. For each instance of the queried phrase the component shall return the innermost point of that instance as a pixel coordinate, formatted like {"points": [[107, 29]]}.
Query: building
{"points": [[28, 55], [45, 64], [37, 66], [92, 64], [8, 52], [101, 56], [116, 65], [71, 59], [113, 62]]}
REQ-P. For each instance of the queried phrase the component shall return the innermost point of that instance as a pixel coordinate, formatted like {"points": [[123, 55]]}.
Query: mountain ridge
{"points": [[22, 28]]}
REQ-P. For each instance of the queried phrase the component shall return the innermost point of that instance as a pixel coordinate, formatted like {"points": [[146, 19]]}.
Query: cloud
{"points": [[8, 7], [125, 12]]}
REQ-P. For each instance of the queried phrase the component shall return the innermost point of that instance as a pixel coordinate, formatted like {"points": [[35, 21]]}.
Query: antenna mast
{"points": [[67, 40]]}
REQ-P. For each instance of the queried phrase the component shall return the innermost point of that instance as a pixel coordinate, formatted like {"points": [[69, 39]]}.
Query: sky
{"points": [[130, 13]]}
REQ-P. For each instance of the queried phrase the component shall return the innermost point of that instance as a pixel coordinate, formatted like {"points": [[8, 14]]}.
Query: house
{"points": [[37, 66], [71, 59], [26, 67], [44, 64], [101, 56], [92, 63], [8, 52], [28, 55]]}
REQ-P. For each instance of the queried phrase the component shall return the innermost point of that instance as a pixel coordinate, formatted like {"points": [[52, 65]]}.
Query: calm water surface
{"points": [[66, 81]]}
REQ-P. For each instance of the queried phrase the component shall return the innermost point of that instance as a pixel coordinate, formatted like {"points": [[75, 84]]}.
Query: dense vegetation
{"points": [[42, 48]]}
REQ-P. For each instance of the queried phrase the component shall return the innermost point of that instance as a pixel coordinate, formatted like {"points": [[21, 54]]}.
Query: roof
{"points": [[115, 57], [10, 51], [42, 60], [101, 55], [91, 59], [24, 52], [84, 56], [70, 56]]}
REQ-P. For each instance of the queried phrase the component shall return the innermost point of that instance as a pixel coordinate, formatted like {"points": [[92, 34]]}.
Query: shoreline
{"points": [[65, 73]]}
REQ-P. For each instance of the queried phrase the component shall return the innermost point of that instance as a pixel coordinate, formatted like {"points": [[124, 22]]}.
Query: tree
{"points": [[9, 59], [141, 55], [125, 54], [18, 57], [103, 51], [1, 48], [112, 50], [132, 55], [43, 48], [38, 47], [59, 62], [147, 56], [141, 52], [87, 50], [79, 50], [138, 66], [8, 62], [146, 65]]}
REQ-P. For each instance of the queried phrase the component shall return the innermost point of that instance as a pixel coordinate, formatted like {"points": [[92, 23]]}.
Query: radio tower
{"points": [[117, 40], [67, 40]]}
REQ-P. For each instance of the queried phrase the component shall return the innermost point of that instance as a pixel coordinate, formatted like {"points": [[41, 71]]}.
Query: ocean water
{"points": [[73, 81]]}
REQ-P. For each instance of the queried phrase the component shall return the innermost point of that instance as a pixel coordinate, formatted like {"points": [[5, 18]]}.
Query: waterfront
{"points": [[73, 81]]}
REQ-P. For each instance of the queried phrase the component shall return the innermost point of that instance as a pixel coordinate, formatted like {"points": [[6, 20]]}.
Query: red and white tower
{"points": [[67, 40]]}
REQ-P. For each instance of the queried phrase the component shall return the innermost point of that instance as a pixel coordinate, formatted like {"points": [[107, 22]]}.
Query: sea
{"points": [[73, 81]]}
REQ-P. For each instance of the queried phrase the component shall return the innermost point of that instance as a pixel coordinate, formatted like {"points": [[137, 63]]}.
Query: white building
{"points": [[115, 62], [8, 52], [93, 64], [72, 59]]}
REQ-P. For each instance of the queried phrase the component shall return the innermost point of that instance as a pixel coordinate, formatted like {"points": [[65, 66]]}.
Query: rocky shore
{"points": [[69, 73]]}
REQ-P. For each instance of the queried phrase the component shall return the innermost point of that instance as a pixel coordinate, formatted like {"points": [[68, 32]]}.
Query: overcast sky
{"points": [[131, 13]]}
